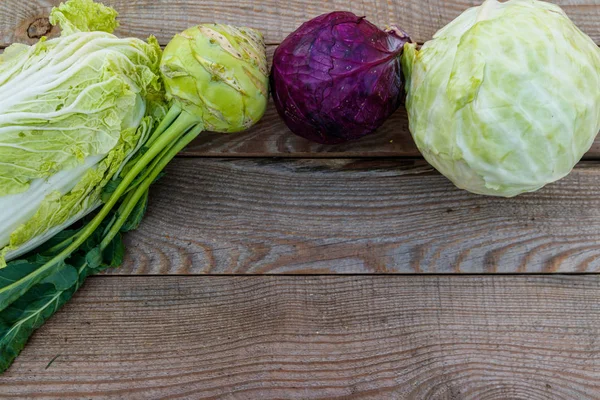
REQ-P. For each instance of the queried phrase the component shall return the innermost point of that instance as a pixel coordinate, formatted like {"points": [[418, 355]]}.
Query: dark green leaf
{"points": [[21, 318], [94, 258], [114, 253], [19, 276], [16, 270], [135, 218], [63, 278], [25, 315], [110, 188], [58, 242]]}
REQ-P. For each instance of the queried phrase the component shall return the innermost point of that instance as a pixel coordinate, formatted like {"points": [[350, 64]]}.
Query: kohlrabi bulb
{"points": [[219, 74], [506, 98]]}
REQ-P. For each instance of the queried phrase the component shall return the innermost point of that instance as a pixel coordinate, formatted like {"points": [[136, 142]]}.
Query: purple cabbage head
{"points": [[338, 77]]}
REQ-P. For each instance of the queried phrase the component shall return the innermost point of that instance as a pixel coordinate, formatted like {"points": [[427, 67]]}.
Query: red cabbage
{"points": [[338, 77]]}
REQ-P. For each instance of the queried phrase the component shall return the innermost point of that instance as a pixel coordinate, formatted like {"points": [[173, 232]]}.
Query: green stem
{"points": [[140, 178], [129, 204], [171, 116], [126, 200], [181, 124]]}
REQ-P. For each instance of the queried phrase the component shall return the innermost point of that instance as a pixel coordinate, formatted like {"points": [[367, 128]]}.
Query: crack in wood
{"points": [[39, 27]]}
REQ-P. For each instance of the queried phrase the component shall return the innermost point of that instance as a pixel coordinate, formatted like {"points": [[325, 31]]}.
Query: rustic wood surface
{"points": [[368, 207], [271, 138], [257, 216], [387, 337]]}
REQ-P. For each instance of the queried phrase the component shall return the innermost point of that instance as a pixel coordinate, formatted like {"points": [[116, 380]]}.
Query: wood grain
{"points": [[164, 18], [271, 138], [454, 338], [260, 216]]}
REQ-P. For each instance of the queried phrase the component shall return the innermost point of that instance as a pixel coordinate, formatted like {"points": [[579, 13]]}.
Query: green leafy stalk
{"points": [[123, 215]]}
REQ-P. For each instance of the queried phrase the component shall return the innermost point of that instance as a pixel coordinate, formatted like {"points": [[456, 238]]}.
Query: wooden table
{"points": [[268, 267]]}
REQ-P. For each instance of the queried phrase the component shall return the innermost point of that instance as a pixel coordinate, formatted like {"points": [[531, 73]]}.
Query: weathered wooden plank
{"points": [[259, 216], [271, 138], [419, 337], [21, 20]]}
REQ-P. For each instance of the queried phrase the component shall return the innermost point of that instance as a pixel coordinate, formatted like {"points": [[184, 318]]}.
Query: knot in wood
{"points": [[38, 28]]}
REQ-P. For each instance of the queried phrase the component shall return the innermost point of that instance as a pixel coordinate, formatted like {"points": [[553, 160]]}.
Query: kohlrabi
{"points": [[216, 79], [505, 98]]}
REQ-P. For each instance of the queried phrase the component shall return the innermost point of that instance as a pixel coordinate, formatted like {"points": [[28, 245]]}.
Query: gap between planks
{"points": [[164, 18], [368, 216]]}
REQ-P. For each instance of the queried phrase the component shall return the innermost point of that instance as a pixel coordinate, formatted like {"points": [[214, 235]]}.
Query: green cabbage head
{"points": [[73, 111], [506, 98]]}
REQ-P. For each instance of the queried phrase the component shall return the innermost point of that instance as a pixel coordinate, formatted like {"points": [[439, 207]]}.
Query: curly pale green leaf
{"points": [[84, 16]]}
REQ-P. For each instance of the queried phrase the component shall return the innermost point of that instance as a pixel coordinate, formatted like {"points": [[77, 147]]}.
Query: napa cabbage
{"points": [[73, 111]]}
